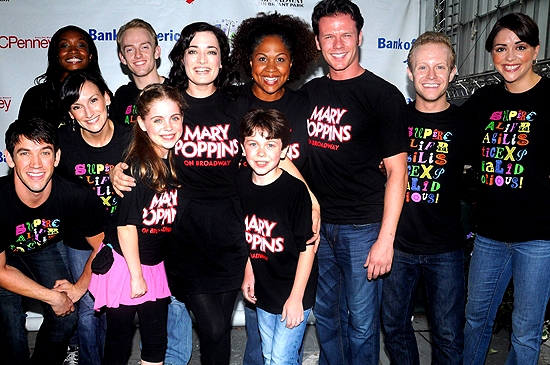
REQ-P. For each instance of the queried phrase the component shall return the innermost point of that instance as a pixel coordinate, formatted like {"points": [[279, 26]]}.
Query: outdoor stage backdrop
{"points": [[27, 25]]}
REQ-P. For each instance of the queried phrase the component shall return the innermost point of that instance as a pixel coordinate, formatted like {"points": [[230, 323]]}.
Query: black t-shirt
{"points": [[153, 214], [277, 226], [123, 106], [69, 205], [207, 155], [81, 162], [430, 221], [512, 136], [42, 101], [353, 125], [295, 106]]}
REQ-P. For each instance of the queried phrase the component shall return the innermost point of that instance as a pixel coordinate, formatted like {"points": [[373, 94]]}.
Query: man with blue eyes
{"points": [[356, 120], [139, 51], [36, 210], [429, 237]]}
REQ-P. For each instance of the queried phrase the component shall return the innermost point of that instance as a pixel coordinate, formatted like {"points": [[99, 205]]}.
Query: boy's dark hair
{"points": [[271, 123], [336, 7], [34, 129], [522, 25]]}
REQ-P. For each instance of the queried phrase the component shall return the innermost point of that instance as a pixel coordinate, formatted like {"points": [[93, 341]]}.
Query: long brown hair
{"points": [[145, 164]]}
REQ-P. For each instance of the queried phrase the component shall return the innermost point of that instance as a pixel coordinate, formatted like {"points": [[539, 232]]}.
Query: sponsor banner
{"points": [[27, 25]]}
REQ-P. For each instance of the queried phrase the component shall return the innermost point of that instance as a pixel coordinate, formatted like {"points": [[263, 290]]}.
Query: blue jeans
{"points": [[180, 334], [280, 345], [45, 267], [444, 281], [253, 350], [493, 264], [92, 326], [347, 308]]}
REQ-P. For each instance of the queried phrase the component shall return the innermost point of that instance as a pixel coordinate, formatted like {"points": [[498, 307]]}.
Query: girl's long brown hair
{"points": [[141, 156]]}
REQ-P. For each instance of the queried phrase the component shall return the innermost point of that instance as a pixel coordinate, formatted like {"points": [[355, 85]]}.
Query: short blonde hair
{"points": [[135, 23], [431, 38]]}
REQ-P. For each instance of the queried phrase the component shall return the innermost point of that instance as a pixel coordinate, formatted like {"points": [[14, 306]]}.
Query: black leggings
{"points": [[152, 328], [213, 316]]}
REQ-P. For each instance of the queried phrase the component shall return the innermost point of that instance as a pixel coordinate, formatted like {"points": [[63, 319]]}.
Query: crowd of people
{"points": [[177, 192]]}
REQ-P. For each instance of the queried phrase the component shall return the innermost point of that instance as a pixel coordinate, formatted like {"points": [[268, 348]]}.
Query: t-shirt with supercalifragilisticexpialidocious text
{"points": [[430, 221], [512, 132], [28, 230], [91, 166]]}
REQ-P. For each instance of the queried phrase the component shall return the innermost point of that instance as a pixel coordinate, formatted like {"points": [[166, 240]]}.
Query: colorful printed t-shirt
{"points": [[439, 145], [69, 205], [512, 136], [91, 166]]}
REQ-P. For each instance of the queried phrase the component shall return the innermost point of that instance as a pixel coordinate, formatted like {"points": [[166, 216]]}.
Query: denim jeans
{"points": [[253, 350], [45, 267], [92, 326], [444, 281], [493, 264], [280, 345], [180, 334], [347, 308]]}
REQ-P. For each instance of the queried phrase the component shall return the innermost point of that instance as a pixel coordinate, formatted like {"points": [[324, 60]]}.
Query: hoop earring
{"points": [[534, 62]]}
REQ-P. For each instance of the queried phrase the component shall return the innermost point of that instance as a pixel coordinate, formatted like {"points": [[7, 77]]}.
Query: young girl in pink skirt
{"points": [[136, 282]]}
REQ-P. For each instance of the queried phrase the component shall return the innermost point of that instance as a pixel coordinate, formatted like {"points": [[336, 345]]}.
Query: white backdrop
{"points": [[27, 25]]}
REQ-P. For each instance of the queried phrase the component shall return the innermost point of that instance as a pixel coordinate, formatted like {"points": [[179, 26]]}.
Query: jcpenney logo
{"points": [[5, 103], [13, 41]]}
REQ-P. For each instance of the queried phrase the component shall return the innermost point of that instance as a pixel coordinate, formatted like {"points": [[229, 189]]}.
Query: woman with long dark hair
{"points": [[71, 48]]}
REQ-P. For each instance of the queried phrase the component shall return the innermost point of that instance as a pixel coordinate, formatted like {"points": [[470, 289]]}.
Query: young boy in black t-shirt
{"points": [[281, 273]]}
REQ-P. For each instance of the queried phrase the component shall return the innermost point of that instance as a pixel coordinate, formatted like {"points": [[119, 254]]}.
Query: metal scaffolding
{"points": [[447, 20], [463, 87]]}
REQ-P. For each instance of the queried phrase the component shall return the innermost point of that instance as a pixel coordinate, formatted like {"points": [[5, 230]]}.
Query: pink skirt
{"points": [[113, 288]]}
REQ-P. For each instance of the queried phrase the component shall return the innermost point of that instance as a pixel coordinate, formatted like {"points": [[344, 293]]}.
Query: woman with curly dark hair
{"points": [[274, 49], [71, 48]]}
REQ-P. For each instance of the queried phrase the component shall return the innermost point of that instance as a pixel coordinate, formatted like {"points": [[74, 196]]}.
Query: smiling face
{"points": [[139, 52], [73, 51], [163, 124], [339, 43], [431, 73], [33, 165], [263, 156], [513, 60], [202, 61], [270, 65], [90, 110]]}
